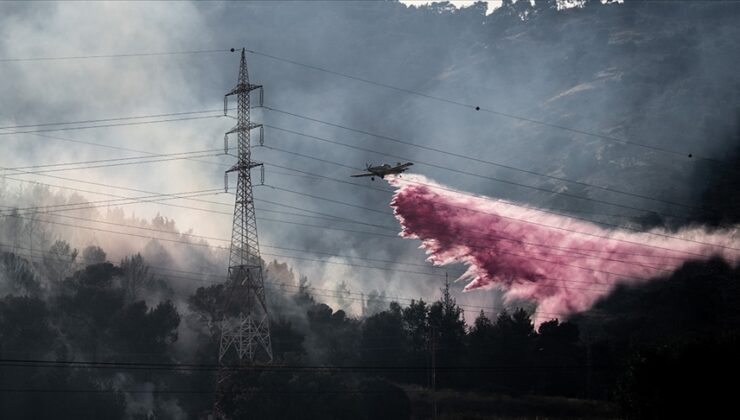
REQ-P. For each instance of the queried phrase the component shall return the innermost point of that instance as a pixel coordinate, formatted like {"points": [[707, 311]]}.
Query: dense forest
{"points": [[107, 347]]}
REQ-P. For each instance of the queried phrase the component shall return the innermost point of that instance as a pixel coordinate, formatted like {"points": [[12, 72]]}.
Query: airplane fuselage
{"points": [[382, 170]]}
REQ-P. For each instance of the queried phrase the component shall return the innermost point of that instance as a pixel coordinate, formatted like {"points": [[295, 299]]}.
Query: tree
{"points": [[383, 341], [136, 279], [59, 262], [343, 295], [135, 276], [416, 327], [303, 296], [87, 305], [286, 340], [376, 302], [561, 358], [208, 302], [19, 274], [512, 350], [681, 379], [480, 344], [335, 335], [446, 320], [24, 327], [93, 255], [146, 333]]}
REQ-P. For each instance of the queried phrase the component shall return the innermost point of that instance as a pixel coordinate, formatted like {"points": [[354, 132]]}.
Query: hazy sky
{"points": [[590, 76]]}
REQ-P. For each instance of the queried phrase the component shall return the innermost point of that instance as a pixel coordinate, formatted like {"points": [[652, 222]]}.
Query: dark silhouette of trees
{"points": [[448, 330], [336, 336], [93, 255], [682, 379], [287, 342], [376, 302], [416, 328], [85, 317], [25, 328], [20, 275], [145, 333], [480, 343], [560, 359], [137, 281], [383, 341], [59, 262]]}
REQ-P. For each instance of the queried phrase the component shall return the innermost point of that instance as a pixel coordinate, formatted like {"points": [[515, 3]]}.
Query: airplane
{"points": [[383, 170]]}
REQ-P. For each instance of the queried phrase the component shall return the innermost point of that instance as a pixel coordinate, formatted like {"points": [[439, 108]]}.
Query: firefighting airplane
{"points": [[384, 169]]}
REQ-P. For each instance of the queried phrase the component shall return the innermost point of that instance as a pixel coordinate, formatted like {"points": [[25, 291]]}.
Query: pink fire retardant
{"points": [[563, 264]]}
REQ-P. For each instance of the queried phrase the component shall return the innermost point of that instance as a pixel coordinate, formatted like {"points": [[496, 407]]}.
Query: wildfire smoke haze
{"points": [[563, 264]]}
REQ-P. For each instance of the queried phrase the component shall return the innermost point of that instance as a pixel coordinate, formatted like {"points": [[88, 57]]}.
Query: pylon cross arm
{"points": [[237, 128], [242, 88]]}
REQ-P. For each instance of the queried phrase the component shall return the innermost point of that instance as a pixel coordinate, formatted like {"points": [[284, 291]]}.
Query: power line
{"points": [[295, 192], [133, 160], [205, 245], [279, 285], [110, 119], [108, 186], [527, 221], [349, 204], [370, 187], [114, 147], [579, 251], [306, 174], [122, 55], [592, 256], [472, 158], [257, 367], [490, 178], [46, 130], [226, 240], [476, 159], [528, 243], [372, 233], [476, 107], [137, 200], [97, 203], [392, 87], [96, 161], [121, 162], [446, 168], [155, 198], [512, 203], [327, 199]]}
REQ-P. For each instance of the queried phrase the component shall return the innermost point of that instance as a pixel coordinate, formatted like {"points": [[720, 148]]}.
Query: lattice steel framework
{"points": [[246, 324]]}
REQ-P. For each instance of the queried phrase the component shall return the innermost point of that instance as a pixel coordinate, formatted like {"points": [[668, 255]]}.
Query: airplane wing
{"points": [[359, 175]]}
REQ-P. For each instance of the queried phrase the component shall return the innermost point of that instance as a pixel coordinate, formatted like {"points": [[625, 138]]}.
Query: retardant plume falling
{"points": [[561, 263]]}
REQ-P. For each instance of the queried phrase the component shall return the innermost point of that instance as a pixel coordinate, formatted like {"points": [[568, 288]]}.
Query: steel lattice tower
{"points": [[245, 324]]}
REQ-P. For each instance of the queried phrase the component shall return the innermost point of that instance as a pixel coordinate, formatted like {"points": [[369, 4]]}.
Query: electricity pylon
{"points": [[245, 325]]}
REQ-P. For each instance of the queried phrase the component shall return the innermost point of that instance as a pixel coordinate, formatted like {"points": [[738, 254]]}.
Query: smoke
{"points": [[563, 264]]}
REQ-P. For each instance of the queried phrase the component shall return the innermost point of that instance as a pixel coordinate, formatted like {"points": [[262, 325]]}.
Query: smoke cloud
{"points": [[563, 264]]}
